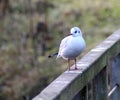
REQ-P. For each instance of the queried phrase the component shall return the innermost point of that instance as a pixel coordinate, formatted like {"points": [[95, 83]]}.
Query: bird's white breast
{"points": [[73, 46]]}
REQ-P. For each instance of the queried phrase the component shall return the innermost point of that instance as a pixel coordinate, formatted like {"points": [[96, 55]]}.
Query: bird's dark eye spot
{"points": [[75, 31], [78, 31]]}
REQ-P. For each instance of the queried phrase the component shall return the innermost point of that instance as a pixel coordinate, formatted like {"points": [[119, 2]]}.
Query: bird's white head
{"points": [[75, 31]]}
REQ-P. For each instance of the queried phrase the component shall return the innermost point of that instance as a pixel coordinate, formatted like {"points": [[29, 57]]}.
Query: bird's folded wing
{"points": [[63, 45]]}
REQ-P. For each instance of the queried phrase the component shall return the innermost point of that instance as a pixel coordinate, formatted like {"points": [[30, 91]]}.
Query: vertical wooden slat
{"points": [[82, 95], [115, 77], [100, 84]]}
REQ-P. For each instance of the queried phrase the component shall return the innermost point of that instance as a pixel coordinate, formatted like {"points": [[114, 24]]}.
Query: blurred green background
{"points": [[30, 30]]}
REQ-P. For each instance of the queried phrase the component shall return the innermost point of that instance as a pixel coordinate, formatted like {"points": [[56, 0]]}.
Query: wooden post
{"points": [[100, 84], [115, 77]]}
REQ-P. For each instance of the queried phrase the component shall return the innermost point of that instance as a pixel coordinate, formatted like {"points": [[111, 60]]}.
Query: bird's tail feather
{"points": [[52, 55]]}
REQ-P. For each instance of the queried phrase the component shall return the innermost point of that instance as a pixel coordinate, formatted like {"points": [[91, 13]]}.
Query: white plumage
{"points": [[72, 46]]}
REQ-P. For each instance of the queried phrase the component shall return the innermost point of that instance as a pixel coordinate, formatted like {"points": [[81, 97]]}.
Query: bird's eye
{"points": [[75, 31], [78, 31]]}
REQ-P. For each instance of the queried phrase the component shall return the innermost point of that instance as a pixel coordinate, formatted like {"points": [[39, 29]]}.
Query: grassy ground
{"points": [[96, 18]]}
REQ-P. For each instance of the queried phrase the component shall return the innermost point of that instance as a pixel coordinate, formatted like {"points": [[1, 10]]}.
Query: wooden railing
{"points": [[98, 77]]}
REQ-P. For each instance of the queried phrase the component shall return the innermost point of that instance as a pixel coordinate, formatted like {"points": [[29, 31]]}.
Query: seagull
{"points": [[71, 46]]}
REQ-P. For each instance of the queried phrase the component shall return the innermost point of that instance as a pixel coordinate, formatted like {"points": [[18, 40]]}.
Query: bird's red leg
{"points": [[75, 64], [69, 64]]}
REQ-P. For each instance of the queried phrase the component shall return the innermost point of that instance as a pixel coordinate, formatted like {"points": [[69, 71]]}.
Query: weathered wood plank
{"points": [[68, 84], [100, 84], [115, 76]]}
